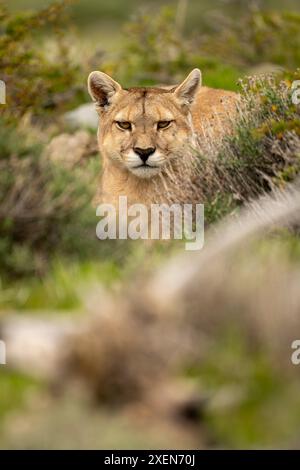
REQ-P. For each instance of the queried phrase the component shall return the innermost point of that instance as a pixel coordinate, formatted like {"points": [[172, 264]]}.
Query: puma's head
{"points": [[143, 129]]}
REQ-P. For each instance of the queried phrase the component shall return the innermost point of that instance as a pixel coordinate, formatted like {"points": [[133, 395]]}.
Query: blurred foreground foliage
{"points": [[248, 390], [13, 391]]}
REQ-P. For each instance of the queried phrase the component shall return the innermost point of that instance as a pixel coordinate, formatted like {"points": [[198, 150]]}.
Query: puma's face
{"points": [[143, 129]]}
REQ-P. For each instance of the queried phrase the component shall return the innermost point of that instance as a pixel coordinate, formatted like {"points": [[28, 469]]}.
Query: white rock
{"points": [[83, 116]]}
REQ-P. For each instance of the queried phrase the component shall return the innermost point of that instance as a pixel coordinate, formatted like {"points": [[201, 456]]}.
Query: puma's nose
{"points": [[144, 154]]}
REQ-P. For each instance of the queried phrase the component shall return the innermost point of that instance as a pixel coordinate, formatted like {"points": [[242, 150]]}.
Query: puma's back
{"points": [[214, 109]]}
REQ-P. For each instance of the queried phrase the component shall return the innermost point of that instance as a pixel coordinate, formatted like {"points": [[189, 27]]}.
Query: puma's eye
{"points": [[163, 124], [125, 125]]}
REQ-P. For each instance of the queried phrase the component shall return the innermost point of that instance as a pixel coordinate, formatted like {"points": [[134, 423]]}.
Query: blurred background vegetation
{"points": [[48, 251]]}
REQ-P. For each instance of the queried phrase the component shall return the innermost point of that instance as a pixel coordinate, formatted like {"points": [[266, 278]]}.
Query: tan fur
{"points": [[213, 107], [191, 109]]}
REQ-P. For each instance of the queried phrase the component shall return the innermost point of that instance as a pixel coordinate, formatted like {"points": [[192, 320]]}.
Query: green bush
{"points": [[154, 51], [263, 151], [44, 208], [35, 82], [258, 37]]}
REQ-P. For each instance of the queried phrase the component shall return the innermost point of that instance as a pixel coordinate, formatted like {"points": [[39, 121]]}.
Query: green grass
{"points": [[219, 75], [61, 289], [64, 285], [283, 243], [14, 390]]}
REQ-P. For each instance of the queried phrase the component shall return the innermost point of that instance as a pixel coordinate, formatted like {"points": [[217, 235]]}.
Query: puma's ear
{"points": [[187, 90], [102, 88]]}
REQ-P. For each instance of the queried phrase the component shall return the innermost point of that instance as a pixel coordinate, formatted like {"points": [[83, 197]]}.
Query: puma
{"points": [[148, 136]]}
